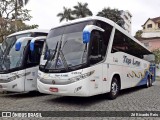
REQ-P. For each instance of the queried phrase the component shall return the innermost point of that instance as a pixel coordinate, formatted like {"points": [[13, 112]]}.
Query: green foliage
{"points": [[22, 15], [8, 9], [157, 55], [79, 11], [12, 17], [21, 2], [20, 26], [66, 14], [112, 14], [138, 34]]}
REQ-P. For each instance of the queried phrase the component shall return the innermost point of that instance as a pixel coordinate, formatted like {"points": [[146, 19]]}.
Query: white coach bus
{"points": [[91, 56], [19, 64]]}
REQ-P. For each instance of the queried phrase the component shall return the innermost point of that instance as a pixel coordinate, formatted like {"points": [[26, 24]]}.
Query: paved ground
{"points": [[135, 99]]}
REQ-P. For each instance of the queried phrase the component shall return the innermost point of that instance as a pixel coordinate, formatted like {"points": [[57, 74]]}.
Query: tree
{"points": [[20, 26], [112, 14], [8, 19], [18, 5], [66, 14], [157, 55], [3, 26], [138, 34], [81, 10]]}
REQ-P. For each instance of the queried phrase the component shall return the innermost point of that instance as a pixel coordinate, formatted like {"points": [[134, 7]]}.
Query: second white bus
{"points": [[91, 56], [19, 64]]}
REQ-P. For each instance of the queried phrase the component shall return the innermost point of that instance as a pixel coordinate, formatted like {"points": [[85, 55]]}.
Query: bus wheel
{"points": [[115, 87]]}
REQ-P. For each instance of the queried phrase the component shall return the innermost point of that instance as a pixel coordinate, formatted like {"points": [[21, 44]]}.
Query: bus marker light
{"points": [[53, 82], [53, 89], [104, 79], [77, 89], [18, 46], [92, 80]]}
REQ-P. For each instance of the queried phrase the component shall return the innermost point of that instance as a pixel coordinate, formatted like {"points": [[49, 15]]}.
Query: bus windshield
{"points": [[64, 48], [9, 57]]}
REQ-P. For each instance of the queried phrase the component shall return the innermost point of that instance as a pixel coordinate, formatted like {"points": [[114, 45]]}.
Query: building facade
{"points": [[127, 17], [151, 28], [151, 36], [151, 43], [151, 33]]}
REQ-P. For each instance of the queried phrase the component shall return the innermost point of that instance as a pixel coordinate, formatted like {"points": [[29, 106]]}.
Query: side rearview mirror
{"points": [[18, 46], [19, 42], [87, 32], [32, 43]]}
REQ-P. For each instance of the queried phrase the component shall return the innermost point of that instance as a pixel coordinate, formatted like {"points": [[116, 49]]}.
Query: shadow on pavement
{"points": [[23, 95], [132, 90], [84, 101], [71, 100], [93, 99]]}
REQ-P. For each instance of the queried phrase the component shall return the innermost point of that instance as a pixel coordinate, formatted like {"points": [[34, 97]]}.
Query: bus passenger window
{"points": [[119, 43]]}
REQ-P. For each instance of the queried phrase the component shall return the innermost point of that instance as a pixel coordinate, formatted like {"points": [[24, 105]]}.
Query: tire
{"points": [[115, 88]]}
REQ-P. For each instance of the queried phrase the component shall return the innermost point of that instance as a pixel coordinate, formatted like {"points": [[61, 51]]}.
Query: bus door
{"points": [[100, 34], [96, 57], [32, 64]]}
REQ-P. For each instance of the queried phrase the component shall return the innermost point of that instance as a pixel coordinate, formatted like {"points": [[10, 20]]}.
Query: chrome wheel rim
{"points": [[114, 88]]}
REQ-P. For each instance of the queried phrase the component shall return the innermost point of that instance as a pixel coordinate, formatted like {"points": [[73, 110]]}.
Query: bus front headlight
{"points": [[11, 78], [80, 77], [40, 78]]}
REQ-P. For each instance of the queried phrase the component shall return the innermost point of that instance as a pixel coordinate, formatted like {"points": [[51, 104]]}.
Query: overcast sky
{"points": [[44, 12]]}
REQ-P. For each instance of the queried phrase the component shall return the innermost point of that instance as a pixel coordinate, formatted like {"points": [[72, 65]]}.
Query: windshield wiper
{"points": [[64, 60], [55, 51], [55, 57], [62, 56], [84, 53], [51, 57]]}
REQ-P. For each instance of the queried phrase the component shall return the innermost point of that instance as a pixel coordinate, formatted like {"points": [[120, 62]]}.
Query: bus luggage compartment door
{"points": [[31, 79]]}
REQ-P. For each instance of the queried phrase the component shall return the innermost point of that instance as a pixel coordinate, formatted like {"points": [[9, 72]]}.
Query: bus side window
{"points": [[96, 47], [33, 58], [119, 42], [123, 43], [99, 42], [36, 34], [106, 34]]}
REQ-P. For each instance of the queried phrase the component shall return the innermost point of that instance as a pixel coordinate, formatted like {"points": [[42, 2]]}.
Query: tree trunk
{"points": [[16, 15]]}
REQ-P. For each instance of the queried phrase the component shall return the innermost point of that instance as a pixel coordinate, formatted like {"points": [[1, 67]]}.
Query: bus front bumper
{"points": [[74, 89]]}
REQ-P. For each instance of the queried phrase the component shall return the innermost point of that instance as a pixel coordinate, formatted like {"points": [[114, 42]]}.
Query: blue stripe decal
{"points": [[150, 72]]}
